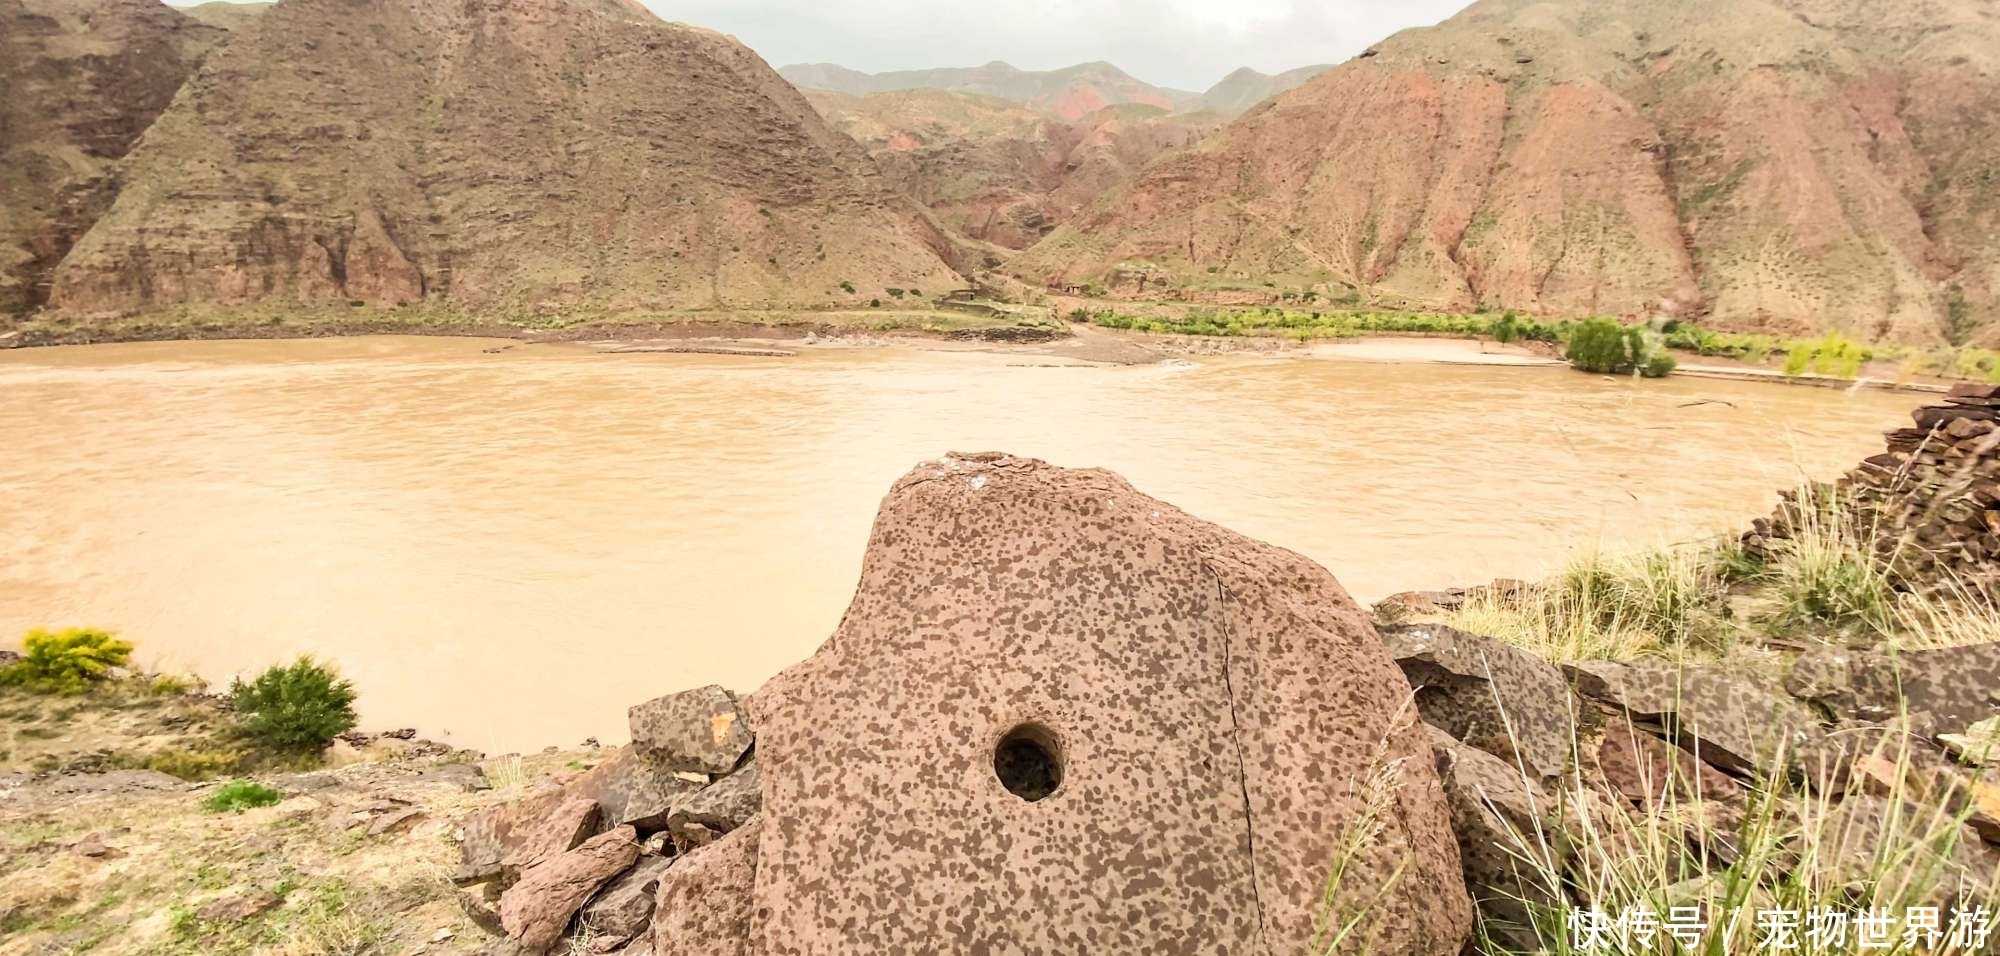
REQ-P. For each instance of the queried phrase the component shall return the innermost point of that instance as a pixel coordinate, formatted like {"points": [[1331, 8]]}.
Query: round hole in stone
{"points": [[1028, 762]]}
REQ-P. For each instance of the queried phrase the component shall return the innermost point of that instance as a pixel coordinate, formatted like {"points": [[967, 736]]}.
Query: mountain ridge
{"points": [[581, 155], [1791, 166]]}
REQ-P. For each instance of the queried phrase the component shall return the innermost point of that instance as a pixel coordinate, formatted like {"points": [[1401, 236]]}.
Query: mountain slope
{"points": [[998, 171], [82, 80], [1070, 94], [227, 14], [1792, 165], [1246, 88], [495, 153]]}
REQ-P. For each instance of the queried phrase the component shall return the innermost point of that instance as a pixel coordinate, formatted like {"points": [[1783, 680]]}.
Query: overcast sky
{"points": [[1185, 44]]}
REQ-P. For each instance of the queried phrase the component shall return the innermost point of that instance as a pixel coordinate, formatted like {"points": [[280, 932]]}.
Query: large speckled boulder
{"points": [[1498, 698], [1063, 717], [500, 842], [1725, 718]]}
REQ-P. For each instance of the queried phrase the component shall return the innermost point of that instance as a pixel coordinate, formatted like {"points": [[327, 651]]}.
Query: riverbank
{"points": [[776, 334]]}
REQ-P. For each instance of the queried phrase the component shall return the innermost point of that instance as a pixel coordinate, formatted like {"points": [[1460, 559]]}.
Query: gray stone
{"points": [[1720, 716], [718, 808], [701, 730], [1498, 698], [1498, 815], [624, 908], [1940, 691], [633, 790], [1062, 716]]}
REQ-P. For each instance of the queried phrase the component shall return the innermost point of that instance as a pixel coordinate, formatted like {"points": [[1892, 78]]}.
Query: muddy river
{"points": [[507, 549]]}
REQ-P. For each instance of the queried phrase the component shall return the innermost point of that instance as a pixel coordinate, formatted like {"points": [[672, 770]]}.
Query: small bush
{"points": [[1507, 329], [66, 662], [194, 765], [1658, 365], [237, 796], [1601, 346], [847, 287], [169, 685], [874, 303], [895, 293], [295, 708]]}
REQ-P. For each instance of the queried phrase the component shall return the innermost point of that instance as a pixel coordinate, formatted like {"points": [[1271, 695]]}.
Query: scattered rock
{"points": [[1053, 677], [633, 789], [1651, 773], [504, 840], [111, 783], [1497, 813], [1498, 698], [1864, 836], [395, 820], [468, 777], [1940, 691], [1722, 717], [718, 808], [537, 909], [706, 902], [235, 909], [624, 909], [700, 730], [94, 847], [1980, 744]]}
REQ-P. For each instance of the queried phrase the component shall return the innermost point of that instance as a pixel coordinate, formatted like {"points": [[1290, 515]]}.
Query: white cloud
{"points": [[1187, 44]]}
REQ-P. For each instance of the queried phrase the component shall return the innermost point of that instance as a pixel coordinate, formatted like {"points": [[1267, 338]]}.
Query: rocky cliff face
{"points": [[1790, 165], [1000, 172], [82, 80], [527, 153], [1070, 94]]}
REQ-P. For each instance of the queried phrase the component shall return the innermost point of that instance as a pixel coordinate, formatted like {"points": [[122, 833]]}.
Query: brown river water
{"points": [[506, 550]]}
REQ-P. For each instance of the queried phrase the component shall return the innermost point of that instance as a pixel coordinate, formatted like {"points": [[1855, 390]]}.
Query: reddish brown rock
{"points": [[1652, 773], [536, 910], [698, 731], [500, 842], [1061, 716], [706, 904], [235, 909]]}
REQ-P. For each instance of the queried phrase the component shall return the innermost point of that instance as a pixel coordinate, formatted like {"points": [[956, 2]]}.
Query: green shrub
{"points": [[1658, 365], [1797, 358], [1601, 346], [874, 303], [295, 708], [895, 293], [1507, 329], [847, 287], [66, 662], [237, 796]]}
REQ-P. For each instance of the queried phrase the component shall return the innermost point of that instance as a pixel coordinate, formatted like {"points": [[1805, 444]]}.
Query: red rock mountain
{"points": [[495, 154], [82, 79], [1001, 172], [1069, 94], [1780, 164]]}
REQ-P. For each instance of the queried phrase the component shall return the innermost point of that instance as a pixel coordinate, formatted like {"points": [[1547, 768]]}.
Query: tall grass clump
{"points": [[1789, 849], [1827, 575], [1610, 607], [66, 662], [295, 708]]}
